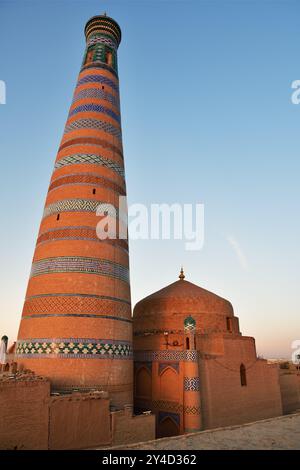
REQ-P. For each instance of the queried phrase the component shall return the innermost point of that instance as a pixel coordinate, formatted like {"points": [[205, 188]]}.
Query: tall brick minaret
{"points": [[76, 321]]}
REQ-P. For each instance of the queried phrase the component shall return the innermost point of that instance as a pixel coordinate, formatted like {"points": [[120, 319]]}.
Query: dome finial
{"points": [[181, 275]]}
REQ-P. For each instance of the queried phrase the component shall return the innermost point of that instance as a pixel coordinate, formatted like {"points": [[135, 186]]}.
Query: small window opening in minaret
{"points": [[243, 375], [57, 217], [229, 324], [102, 87], [187, 342], [108, 58], [94, 191], [89, 56]]}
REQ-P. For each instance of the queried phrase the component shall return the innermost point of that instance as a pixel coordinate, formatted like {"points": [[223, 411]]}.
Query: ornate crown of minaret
{"points": [[76, 321]]}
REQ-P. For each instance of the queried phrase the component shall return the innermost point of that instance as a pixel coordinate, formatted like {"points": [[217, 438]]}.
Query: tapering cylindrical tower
{"points": [[76, 322], [191, 381]]}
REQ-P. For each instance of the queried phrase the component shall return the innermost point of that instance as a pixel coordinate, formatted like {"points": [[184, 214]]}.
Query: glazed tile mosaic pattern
{"points": [[97, 79], [79, 205], [95, 108], [191, 384], [64, 264], [166, 356], [192, 410], [102, 40], [91, 159], [96, 93], [74, 348], [90, 123], [159, 404]]}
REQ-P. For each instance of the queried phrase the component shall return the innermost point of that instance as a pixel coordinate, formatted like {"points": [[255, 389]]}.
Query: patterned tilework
{"points": [[79, 205], [95, 108], [159, 405], [192, 410], [157, 331], [98, 79], [91, 159], [166, 355], [103, 40], [87, 178], [75, 315], [191, 384], [78, 233], [97, 65], [138, 365], [97, 52], [74, 348], [166, 414], [98, 94], [76, 304], [103, 25], [94, 53], [80, 264], [189, 324], [164, 365], [93, 124], [92, 141], [191, 356]]}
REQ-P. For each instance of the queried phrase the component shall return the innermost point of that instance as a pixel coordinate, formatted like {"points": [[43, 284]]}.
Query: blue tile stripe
{"points": [[63, 264], [79, 348], [98, 79], [166, 355], [103, 40], [96, 108], [90, 159], [79, 205], [91, 123], [96, 93], [191, 384]]}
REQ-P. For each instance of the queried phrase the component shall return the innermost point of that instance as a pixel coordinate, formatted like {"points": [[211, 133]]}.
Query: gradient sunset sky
{"points": [[207, 117]]}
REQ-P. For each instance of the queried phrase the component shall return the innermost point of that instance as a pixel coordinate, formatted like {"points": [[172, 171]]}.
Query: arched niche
{"points": [[167, 427], [143, 383], [169, 385]]}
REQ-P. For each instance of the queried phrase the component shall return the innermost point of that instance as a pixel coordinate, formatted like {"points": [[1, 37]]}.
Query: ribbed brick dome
{"points": [[180, 299]]}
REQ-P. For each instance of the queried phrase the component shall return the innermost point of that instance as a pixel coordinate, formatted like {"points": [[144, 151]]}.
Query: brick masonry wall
{"points": [[225, 401], [127, 429], [24, 406], [290, 391], [79, 421], [31, 419]]}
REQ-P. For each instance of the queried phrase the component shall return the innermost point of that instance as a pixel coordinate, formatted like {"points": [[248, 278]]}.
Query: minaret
{"points": [[76, 322], [191, 382]]}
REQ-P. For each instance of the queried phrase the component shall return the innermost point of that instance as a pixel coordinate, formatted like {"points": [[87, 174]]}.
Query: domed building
{"points": [[193, 367]]}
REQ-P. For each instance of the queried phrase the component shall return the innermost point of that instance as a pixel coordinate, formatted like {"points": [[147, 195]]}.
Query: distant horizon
{"points": [[207, 118]]}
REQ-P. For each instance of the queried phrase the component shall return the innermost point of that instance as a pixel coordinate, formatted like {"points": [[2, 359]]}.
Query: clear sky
{"points": [[207, 117]]}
